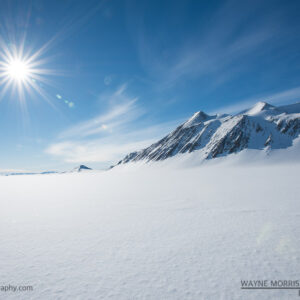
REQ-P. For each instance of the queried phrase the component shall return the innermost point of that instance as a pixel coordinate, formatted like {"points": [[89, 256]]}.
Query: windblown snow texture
{"points": [[151, 232], [262, 127]]}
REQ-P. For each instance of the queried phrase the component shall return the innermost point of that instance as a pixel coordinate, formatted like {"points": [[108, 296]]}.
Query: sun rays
{"points": [[23, 73]]}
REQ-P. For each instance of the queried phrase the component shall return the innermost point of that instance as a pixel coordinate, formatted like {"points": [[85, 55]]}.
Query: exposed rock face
{"points": [[263, 126]]}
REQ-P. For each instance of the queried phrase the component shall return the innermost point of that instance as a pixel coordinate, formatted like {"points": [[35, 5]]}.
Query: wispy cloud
{"points": [[94, 151], [122, 110], [109, 136], [213, 59], [111, 148], [222, 50]]}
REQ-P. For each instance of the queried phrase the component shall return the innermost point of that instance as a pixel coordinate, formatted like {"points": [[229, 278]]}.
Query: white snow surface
{"points": [[151, 231]]}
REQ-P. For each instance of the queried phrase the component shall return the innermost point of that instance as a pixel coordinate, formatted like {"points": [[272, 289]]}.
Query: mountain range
{"points": [[80, 168], [262, 127]]}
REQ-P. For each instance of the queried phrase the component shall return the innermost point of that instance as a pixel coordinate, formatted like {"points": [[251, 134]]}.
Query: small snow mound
{"points": [[258, 108], [81, 168]]}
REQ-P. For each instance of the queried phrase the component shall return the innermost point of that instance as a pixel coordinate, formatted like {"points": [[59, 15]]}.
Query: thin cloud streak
{"points": [[216, 52], [94, 151], [124, 110], [109, 136], [109, 149]]}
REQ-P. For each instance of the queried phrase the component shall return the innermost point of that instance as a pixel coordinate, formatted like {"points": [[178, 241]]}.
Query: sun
{"points": [[23, 72], [18, 70], [19, 73]]}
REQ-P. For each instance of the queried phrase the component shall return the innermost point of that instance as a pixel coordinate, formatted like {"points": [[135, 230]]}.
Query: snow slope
{"points": [[262, 127], [155, 232]]}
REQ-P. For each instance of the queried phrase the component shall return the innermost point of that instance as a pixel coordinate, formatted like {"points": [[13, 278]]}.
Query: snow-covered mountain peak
{"points": [[197, 118], [258, 108]]}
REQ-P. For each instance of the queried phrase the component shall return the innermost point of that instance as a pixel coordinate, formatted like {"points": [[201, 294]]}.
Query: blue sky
{"points": [[121, 74]]}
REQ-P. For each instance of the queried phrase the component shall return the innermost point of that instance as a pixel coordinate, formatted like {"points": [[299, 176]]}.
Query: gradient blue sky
{"points": [[133, 70]]}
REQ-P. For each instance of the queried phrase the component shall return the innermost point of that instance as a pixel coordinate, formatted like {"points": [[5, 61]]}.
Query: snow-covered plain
{"points": [[151, 232]]}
